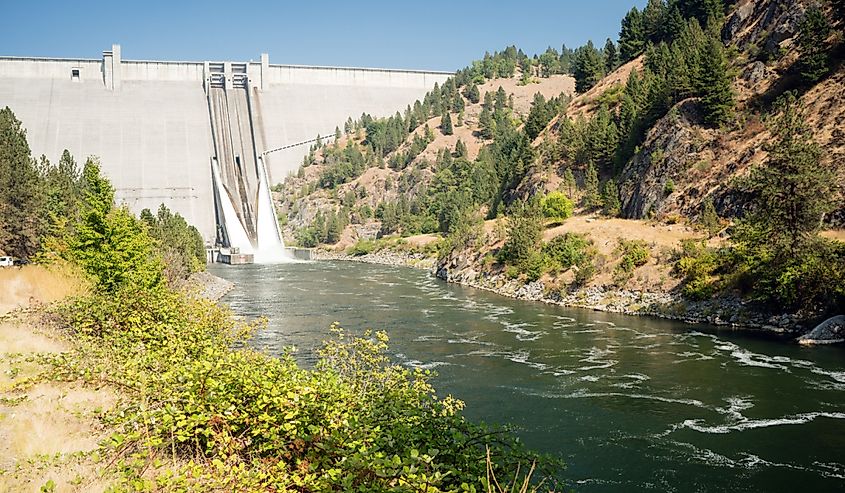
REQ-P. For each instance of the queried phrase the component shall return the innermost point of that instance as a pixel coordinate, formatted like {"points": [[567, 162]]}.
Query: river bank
{"points": [[730, 312]]}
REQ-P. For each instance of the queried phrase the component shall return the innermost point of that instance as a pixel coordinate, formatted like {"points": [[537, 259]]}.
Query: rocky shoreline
{"points": [[208, 286], [730, 312]]}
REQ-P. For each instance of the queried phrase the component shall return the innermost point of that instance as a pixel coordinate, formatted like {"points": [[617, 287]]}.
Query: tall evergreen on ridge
{"points": [[717, 95], [632, 35], [588, 67], [611, 56]]}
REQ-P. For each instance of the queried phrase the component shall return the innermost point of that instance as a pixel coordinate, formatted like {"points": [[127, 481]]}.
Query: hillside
{"points": [[660, 142]]}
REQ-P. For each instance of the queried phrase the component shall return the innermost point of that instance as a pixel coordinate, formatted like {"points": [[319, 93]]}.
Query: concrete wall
{"points": [[148, 121]]}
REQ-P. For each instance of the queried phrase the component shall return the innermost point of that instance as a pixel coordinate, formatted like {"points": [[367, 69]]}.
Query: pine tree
{"points": [[717, 96], [632, 36], [789, 263], [446, 124], [337, 134], [792, 191], [653, 18], [673, 23], [22, 215], [501, 99], [459, 122], [472, 94], [588, 67], [486, 124], [591, 198], [488, 101], [709, 218], [610, 199], [813, 31], [460, 149], [611, 56], [567, 184]]}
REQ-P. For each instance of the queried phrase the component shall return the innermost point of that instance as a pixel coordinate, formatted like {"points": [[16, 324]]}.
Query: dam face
{"points": [[195, 135]]}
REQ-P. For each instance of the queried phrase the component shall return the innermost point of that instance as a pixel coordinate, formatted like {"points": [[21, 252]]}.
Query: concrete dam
{"points": [[207, 139]]}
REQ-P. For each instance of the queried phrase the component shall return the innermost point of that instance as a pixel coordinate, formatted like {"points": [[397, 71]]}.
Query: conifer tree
{"points": [[567, 184], [611, 56], [472, 94], [632, 35], [488, 101], [814, 60], [501, 99], [486, 124], [22, 220], [459, 122], [653, 18], [446, 124], [460, 149], [610, 199], [591, 198], [588, 67], [717, 96]]}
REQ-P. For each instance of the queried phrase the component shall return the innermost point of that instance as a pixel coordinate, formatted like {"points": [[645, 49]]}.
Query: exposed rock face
{"points": [[665, 154], [830, 331], [755, 72], [764, 24]]}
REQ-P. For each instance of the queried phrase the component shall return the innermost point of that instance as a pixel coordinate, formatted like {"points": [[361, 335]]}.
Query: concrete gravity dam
{"points": [[207, 139]]}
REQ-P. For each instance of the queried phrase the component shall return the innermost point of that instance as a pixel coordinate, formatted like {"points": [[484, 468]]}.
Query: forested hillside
{"points": [[722, 120]]}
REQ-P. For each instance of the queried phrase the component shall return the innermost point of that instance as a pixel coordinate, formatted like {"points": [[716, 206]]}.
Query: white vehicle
{"points": [[7, 261]]}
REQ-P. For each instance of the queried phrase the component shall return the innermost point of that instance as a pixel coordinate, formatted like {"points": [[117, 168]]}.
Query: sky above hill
{"points": [[423, 34]]}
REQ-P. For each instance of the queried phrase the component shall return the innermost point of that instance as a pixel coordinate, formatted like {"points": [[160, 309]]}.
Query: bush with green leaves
{"points": [[698, 265], [237, 419], [568, 250], [556, 207], [632, 254]]}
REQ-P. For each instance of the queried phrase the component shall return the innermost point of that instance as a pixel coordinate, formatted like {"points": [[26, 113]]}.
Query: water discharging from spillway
{"points": [[271, 247]]}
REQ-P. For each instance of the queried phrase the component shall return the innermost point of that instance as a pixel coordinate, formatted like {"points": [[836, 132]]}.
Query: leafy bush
{"points": [[698, 265], [362, 247], [557, 207], [633, 254], [567, 251], [241, 420]]}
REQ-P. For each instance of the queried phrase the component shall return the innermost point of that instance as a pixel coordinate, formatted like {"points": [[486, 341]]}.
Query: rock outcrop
{"points": [[831, 331], [665, 155]]}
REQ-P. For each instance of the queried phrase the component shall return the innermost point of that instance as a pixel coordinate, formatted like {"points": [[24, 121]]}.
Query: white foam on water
{"points": [[752, 424]]}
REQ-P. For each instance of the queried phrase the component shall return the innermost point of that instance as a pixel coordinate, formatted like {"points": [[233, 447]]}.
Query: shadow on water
{"points": [[631, 403]]}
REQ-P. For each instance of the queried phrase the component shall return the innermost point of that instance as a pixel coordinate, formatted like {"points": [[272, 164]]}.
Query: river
{"points": [[630, 403]]}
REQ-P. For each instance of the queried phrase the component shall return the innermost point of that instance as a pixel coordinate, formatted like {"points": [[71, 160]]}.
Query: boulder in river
{"points": [[831, 331]]}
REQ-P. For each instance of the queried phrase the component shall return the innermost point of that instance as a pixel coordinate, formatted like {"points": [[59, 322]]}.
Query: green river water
{"points": [[630, 403]]}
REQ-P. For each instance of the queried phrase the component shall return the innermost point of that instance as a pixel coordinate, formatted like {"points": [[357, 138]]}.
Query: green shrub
{"points": [[535, 266], [698, 265], [556, 207], [362, 247], [633, 254], [566, 251], [239, 420]]}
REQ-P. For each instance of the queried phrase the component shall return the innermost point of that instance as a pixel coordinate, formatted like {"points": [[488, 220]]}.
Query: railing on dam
{"points": [[111, 68]]}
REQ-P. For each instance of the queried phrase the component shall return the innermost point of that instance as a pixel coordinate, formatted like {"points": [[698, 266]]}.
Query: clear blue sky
{"points": [[423, 34]]}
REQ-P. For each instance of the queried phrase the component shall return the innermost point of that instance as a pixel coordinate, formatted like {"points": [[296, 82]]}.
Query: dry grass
{"points": [[21, 287], [49, 430]]}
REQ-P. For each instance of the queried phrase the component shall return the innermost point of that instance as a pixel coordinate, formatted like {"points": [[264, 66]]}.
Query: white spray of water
{"points": [[234, 229], [271, 247]]}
